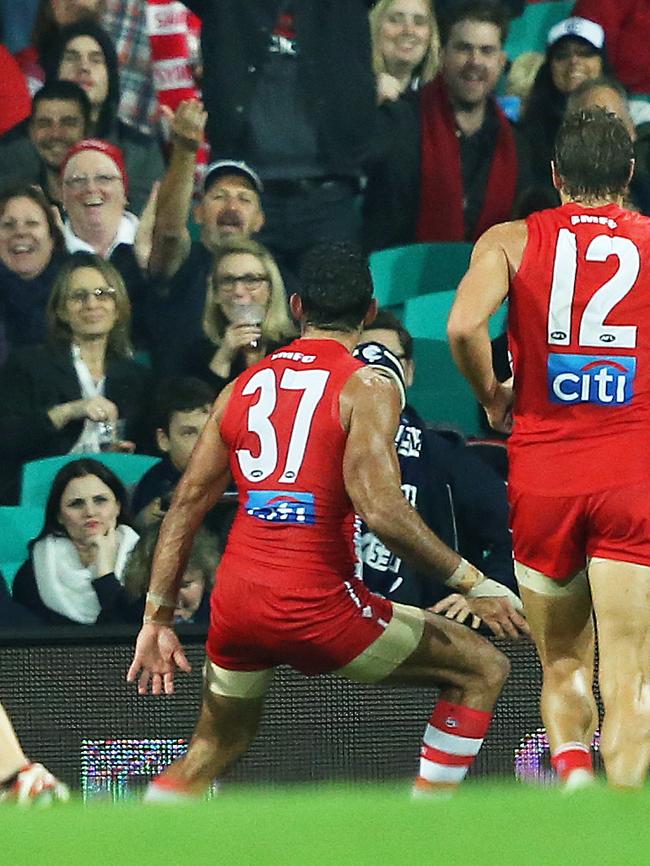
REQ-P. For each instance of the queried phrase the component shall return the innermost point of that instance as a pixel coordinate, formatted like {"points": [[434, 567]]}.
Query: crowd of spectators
{"points": [[127, 257]]}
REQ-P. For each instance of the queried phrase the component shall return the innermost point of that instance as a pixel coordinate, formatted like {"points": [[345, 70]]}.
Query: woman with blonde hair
{"points": [[246, 315], [66, 396], [405, 46]]}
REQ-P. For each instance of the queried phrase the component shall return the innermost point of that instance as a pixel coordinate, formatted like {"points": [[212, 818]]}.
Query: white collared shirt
{"points": [[126, 232]]}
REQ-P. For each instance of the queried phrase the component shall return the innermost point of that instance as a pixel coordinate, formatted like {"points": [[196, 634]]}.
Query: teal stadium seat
{"points": [[19, 524], [38, 475], [401, 273], [529, 31], [439, 392]]}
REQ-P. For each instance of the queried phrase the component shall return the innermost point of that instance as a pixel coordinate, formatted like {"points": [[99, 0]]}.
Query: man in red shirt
{"points": [[579, 331], [308, 438]]}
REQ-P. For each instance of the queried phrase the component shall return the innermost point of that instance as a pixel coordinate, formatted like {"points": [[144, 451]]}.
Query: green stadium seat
{"points": [[38, 475], [439, 392], [401, 273], [19, 524], [528, 32]]}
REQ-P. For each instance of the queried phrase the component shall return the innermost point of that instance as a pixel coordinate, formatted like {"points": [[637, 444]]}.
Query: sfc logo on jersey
{"points": [[277, 506], [591, 379]]}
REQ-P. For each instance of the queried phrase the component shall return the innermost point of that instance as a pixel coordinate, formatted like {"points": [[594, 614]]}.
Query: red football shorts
{"points": [[557, 535], [254, 626]]}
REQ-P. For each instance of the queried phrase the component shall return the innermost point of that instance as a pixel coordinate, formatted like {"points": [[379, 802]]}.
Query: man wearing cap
{"points": [[95, 187], [229, 205]]}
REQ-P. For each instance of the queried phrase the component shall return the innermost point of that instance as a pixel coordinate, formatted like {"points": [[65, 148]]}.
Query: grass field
{"points": [[482, 825]]}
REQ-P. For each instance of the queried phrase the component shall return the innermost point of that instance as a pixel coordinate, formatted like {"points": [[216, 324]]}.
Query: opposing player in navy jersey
{"points": [[308, 437], [578, 282]]}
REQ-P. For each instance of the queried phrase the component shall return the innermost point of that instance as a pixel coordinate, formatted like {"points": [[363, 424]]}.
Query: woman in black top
{"points": [[57, 398], [76, 564], [246, 315]]}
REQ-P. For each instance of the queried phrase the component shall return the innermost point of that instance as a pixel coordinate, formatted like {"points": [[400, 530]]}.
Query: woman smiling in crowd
{"points": [[58, 397], [31, 254]]}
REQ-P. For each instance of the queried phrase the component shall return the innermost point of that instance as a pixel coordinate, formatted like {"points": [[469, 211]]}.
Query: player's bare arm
{"points": [[495, 259], [370, 411], [158, 651]]}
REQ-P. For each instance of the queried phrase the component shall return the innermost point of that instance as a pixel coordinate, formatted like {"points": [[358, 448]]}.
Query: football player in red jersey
{"points": [[578, 282], [21, 781], [307, 435]]}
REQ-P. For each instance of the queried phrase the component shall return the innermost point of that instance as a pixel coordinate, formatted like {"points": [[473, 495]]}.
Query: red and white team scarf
{"points": [[172, 28]]}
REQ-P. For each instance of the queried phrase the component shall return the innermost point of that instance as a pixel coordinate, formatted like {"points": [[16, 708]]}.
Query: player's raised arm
{"points": [[158, 651], [370, 409], [480, 294]]}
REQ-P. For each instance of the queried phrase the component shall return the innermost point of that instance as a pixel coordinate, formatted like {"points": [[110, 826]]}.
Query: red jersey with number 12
{"points": [[579, 333], [295, 521]]}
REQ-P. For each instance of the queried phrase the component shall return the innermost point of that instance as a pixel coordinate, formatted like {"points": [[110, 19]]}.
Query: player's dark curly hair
{"points": [[335, 286], [593, 151]]}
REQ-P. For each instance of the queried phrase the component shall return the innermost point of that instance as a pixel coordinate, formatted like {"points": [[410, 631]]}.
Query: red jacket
{"points": [[15, 99]]}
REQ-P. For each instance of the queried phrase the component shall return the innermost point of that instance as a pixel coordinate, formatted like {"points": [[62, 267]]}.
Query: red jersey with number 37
{"points": [[295, 521], [579, 334]]}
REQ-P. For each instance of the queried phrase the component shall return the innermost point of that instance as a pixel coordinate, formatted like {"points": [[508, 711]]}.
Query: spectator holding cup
{"points": [[66, 396], [245, 316]]}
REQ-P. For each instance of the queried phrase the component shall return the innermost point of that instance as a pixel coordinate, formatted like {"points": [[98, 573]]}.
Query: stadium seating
{"points": [[439, 392], [18, 525], [528, 32], [401, 273], [38, 474]]}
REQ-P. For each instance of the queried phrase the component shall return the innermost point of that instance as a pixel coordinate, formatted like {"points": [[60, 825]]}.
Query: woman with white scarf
{"points": [[75, 569]]}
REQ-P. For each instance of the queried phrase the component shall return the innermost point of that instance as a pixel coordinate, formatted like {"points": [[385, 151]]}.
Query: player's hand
{"points": [[35, 784], [499, 408], [500, 616], [458, 607], [158, 652]]}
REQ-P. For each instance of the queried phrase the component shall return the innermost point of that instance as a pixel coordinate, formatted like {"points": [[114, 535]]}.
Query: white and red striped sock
{"points": [[574, 765], [452, 740], [165, 790]]}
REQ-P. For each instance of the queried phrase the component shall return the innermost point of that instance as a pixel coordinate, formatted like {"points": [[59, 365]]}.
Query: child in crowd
{"points": [[181, 408]]}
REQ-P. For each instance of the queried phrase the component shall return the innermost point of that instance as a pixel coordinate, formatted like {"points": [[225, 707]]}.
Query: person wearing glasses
{"points": [[95, 188], [245, 317], [65, 396], [84, 53]]}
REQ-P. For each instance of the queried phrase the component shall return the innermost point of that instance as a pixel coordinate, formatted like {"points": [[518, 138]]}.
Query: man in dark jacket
{"points": [[445, 164], [461, 498]]}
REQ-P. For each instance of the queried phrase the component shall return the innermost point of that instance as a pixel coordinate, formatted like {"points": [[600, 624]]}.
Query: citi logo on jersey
{"points": [[591, 379], [278, 506]]}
